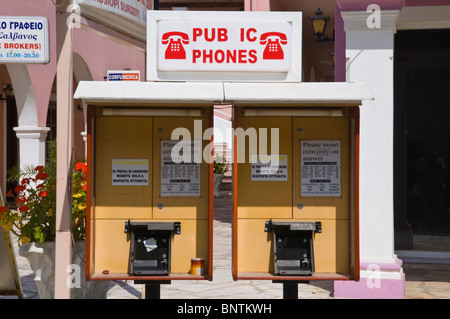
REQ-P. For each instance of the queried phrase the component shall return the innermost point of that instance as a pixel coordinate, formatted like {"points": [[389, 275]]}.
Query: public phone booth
{"points": [[295, 182], [149, 208], [295, 167]]}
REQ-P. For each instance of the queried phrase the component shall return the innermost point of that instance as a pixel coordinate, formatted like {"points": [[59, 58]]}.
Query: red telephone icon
{"points": [[175, 50], [273, 50]]}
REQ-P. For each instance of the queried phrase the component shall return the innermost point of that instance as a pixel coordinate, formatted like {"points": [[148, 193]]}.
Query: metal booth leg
{"points": [[152, 288], [290, 290], [290, 287]]}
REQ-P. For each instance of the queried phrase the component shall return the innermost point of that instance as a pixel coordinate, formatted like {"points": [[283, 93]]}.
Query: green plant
{"points": [[34, 219], [220, 165]]}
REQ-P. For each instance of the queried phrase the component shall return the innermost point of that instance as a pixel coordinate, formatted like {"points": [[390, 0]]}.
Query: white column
{"points": [[31, 145], [370, 54], [31, 136], [64, 141]]}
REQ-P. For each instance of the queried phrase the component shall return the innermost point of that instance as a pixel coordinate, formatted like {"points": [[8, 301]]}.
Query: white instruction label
{"points": [[180, 174], [320, 168], [269, 167], [130, 172]]}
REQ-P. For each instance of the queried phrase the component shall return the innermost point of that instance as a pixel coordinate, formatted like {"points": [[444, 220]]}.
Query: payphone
{"points": [[295, 207], [150, 246], [293, 247], [150, 184]]}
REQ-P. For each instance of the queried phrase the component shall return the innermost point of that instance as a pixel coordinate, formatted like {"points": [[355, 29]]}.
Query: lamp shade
{"points": [[319, 23], [7, 90]]}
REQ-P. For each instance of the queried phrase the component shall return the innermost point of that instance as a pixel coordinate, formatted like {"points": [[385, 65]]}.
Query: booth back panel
{"points": [[136, 179]]}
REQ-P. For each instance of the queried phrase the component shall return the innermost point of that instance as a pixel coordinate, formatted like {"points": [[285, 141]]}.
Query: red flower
{"points": [[85, 188], [9, 194], [24, 181], [80, 166], [43, 193], [23, 208], [39, 168], [21, 200], [20, 188], [42, 175]]}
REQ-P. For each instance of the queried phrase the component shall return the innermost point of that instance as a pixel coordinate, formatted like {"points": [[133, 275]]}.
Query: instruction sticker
{"points": [[180, 171], [130, 172], [269, 167], [320, 168]]}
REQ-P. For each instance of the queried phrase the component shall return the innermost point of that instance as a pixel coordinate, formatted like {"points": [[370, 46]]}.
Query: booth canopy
{"points": [[210, 93]]}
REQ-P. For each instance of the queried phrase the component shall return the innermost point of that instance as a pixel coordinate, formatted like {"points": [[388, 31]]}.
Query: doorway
{"points": [[422, 140]]}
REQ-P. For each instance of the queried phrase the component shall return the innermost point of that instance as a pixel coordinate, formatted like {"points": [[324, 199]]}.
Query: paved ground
{"points": [[423, 281]]}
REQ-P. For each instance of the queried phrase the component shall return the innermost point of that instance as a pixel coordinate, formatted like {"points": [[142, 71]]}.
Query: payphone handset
{"points": [[272, 40], [175, 49]]}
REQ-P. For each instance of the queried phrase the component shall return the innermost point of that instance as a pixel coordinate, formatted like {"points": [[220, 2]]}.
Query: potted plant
{"points": [[33, 222], [220, 167]]}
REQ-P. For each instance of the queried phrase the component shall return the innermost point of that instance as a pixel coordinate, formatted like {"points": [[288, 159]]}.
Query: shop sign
{"points": [[228, 45], [131, 10], [24, 40], [123, 75]]}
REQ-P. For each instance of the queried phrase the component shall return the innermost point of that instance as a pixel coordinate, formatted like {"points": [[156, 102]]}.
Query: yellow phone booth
{"points": [[150, 202], [295, 207]]}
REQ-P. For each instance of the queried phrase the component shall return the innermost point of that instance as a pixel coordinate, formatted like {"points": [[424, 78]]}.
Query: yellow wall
{"points": [[259, 201], [140, 138]]}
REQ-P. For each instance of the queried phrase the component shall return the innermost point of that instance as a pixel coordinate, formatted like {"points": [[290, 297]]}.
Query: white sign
{"points": [[130, 172], [256, 46], [269, 168], [124, 75], [132, 10], [180, 173], [321, 168], [24, 40], [229, 46]]}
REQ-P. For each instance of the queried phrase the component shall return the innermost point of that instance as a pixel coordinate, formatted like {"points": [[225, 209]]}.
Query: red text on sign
{"points": [[221, 56], [210, 34], [248, 34]]}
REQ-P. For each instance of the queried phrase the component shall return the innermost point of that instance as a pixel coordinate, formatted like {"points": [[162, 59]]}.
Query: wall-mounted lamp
{"points": [[319, 24], [7, 91]]}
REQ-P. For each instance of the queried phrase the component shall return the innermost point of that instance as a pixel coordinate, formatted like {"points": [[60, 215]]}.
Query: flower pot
{"points": [[41, 257], [217, 181]]}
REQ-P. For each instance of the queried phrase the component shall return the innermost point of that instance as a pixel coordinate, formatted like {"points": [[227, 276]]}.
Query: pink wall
{"points": [[102, 54], [99, 53], [412, 3], [353, 5], [257, 5]]}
